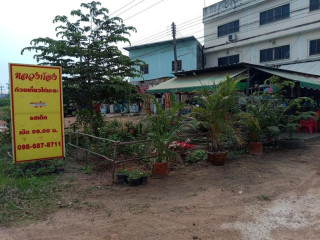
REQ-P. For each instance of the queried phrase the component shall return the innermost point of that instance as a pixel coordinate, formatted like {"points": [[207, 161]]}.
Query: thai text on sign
{"points": [[36, 112]]}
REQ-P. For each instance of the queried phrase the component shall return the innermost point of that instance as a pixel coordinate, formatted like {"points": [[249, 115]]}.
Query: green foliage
{"points": [[135, 174], [122, 171], [163, 128], [98, 124], [274, 112], [5, 115], [84, 118], [88, 169], [27, 192], [28, 198], [294, 113], [94, 68], [196, 156], [4, 102], [220, 111]]}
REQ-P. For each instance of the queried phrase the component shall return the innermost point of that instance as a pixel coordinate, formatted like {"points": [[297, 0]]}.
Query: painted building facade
{"points": [[159, 60], [265, 32]]}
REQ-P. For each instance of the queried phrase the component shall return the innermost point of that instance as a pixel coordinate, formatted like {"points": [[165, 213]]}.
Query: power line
{"points": [[131, 7], [122, 8], [154, 52], [186, 24], [144, 10], [262, 26], [297, 16]]}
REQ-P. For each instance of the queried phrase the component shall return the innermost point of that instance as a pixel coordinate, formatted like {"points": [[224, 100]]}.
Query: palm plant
{"points": [[221, 112], [164, 127]]}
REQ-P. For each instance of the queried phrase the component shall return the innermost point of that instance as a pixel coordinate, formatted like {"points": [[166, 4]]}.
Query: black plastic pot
{"points": [[122, 179], [135, 182], [292, 143], [143, 180]]}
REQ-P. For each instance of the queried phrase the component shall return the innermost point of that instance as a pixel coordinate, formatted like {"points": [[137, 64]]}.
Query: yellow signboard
{"points": [[36, 112]]}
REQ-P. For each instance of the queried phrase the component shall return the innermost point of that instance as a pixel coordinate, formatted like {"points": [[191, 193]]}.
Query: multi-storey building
{"points": [[159, 60], [265, 32]]}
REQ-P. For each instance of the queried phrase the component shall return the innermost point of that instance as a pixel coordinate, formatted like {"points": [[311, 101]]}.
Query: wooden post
{"points": [[114, 160], [77, 142]]}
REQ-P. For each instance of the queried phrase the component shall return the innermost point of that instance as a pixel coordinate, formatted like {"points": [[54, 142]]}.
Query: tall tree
{"points": [[93, 67]]}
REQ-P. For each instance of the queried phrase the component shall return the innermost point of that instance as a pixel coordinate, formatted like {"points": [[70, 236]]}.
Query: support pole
{"points": [[173, 27]]}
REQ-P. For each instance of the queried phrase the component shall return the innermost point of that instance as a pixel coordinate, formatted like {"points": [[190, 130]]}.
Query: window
{"points": [[228, 28], [315, 47], [314, 5], [275, 14], [144, 69], [228, 60], [273, 54], [179, 65]]}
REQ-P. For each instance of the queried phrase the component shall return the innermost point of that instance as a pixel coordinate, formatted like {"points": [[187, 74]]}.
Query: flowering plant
{"points": [[135, 174], [122, 171], [181, 147], [144, 173]]}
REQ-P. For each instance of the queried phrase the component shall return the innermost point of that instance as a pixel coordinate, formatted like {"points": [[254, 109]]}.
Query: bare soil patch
{"points": [[268, 197]]}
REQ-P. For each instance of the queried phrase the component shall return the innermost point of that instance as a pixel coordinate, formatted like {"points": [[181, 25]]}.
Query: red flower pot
{"points": [[217, 158], [255, 147], [160, 169]]}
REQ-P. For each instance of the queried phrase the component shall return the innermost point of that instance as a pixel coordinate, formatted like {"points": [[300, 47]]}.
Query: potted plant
{"points": [[196, 156], [162, 129], [292, 115], [220, 111], [284, 114], [255, 145], [144, 176], [134, 177], [182, 148], [122, 174]]}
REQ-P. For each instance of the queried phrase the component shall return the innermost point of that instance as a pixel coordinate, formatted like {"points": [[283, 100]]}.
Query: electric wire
{"points": [[131, 7], [143, 10], [195, 23], [121, 8], [213, 35]]}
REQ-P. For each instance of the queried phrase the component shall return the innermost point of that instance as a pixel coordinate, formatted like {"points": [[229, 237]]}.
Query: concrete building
{"points": [[159, 59], [265, 32]]}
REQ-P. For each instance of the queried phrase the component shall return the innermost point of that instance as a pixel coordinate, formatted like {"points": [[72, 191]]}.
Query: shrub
{"points": [[196, 156]]}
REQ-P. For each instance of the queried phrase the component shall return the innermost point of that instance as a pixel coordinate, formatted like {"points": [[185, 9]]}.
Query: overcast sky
{"points": [[23, 20]]}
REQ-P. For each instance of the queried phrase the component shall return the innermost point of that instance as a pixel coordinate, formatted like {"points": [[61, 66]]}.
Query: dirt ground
{"points": [[268, 197], [124, 118]]}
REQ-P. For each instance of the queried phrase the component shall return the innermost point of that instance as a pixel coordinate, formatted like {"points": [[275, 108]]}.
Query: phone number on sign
{"points": [[38, 145]]}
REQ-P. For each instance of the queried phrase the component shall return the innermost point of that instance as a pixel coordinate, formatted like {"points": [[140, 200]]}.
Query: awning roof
{"points": [[305, 80], [309, 67], [190, 83]]}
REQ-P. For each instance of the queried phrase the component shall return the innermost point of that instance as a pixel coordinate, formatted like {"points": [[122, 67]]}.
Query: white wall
{"points": [[252, 37]]}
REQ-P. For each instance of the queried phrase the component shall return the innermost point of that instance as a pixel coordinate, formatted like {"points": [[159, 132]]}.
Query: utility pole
{"points": [[8, 87], [173, 27], [1, 88]]}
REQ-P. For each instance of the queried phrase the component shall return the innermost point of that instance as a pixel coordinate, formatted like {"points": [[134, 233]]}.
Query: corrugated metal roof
{"points": [[305, 67], [160, 43], [190, 83], [306, 81]]}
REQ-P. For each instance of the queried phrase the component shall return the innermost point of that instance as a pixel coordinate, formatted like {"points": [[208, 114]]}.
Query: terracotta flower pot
{"points": [[255, 147], [160, 169], [217, 158]]}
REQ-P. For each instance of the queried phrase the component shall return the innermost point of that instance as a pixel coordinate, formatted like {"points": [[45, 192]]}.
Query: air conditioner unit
{"points": [[232, 37]]}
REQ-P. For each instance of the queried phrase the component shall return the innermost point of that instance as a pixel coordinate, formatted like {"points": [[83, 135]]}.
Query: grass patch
{"points": [[28, 191], [88, 169]]}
